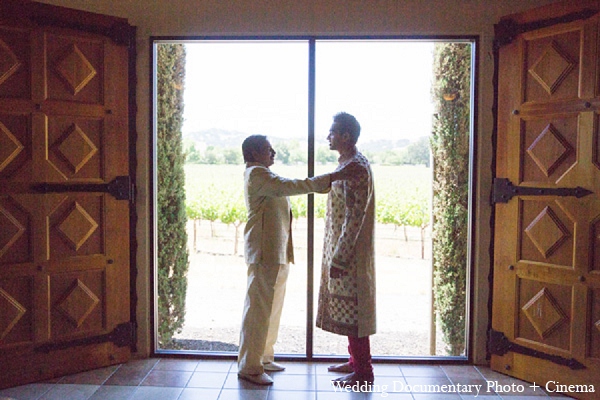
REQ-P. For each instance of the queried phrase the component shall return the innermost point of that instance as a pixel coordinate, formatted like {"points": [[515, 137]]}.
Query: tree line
{"points": [[291, 153]]}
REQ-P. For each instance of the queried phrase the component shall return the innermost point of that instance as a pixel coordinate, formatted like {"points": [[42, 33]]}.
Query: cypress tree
{"points": [[450, 149], [172, 265]]}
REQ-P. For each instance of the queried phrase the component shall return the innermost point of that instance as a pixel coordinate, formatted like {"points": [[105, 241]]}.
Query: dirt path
{"points": [[217, 282]]}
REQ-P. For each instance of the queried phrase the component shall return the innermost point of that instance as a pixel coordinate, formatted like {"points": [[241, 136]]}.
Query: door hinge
{"points": [[507, 30], [504, 190], [121, 188], [121, 336], [498, 344]]}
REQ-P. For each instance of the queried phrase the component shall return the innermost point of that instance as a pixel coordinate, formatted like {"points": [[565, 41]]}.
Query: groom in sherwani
{"points": [[268, 252]]}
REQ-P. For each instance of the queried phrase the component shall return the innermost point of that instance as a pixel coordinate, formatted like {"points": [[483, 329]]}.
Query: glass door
{"points": [[289, 90]]}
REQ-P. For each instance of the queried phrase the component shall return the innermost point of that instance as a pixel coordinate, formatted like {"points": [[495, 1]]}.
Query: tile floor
{"points": [[175, 379]]}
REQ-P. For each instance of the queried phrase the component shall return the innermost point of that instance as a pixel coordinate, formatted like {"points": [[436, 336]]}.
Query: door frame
{"points": [[470, 312]]}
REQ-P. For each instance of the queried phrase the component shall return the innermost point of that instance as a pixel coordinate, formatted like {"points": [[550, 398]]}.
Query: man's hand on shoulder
{"points": [[348, 171]]}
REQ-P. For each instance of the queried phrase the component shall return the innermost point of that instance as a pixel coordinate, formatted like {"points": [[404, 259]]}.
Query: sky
{"points": [[262, 87]]}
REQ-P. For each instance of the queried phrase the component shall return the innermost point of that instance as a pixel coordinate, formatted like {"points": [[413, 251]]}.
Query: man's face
{"points": [[266, 155], [335, 137]]}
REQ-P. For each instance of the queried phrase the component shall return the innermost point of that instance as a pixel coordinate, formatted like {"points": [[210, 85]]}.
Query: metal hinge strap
{"points": [[121, 336], [120, 188], [504, 190], [507, 30], [500, 345]]}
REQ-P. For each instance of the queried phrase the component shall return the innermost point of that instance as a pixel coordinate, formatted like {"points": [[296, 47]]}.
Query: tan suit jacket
{"points": [[268, 235]]}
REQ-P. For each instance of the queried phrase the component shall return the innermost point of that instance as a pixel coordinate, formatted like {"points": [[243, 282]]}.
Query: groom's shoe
{"points": [[273, 367], [259, 379]]}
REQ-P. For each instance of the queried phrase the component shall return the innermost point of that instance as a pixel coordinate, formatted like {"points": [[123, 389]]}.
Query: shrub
{"points": [[450, 149], [172, 260]]}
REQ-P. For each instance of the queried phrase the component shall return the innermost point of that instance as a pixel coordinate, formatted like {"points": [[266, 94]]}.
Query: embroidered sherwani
{"points": [[347, 302], [268, 251]]}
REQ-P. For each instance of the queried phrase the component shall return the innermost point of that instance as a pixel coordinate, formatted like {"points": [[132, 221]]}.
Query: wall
{"points": [[333, 17]]}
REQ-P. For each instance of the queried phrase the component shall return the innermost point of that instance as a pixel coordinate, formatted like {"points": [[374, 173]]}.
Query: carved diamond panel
{"points": [[552, 67], [11, 311], [76, 148], [544, 313], [75, 70], [547, 232], [78, 303], [549, 150], [10, 147], [77, 226], [9, 62], [11, 230]]}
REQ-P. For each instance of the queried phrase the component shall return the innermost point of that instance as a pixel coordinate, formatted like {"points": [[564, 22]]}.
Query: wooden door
{"points": [[65, 194], [546, 291]]}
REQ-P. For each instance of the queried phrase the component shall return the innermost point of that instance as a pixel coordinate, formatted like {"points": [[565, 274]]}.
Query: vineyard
{"points": [[215, 193]]}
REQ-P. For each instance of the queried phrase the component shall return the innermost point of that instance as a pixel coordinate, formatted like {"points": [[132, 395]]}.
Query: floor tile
{"points": [[167, 378], [214, 380], [387, 370], [229, 394], [510, 387], [343, 396], [321, 368], [199, 393], [464, 371], [469, 385], [71, 392], [519, 397], [393, 396], [176, 365], [390, 381], [420, 384], [233, 382], [296, 395], [488, 374], [293, 382], [297, 368], [114, 393], [27, 392], [422, 370], [132, 373], [436, 396], [323, 382], [156, 393], [215, 366], [173, 379]]}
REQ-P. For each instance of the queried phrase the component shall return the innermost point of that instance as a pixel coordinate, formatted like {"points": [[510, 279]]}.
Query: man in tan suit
{"points": [[268, 252]]}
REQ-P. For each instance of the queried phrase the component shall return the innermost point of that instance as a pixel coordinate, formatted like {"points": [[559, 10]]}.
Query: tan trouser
{"points": [[261, 316]]}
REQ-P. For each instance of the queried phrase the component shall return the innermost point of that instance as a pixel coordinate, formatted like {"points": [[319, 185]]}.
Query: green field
{"points": [[215, 192]]}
